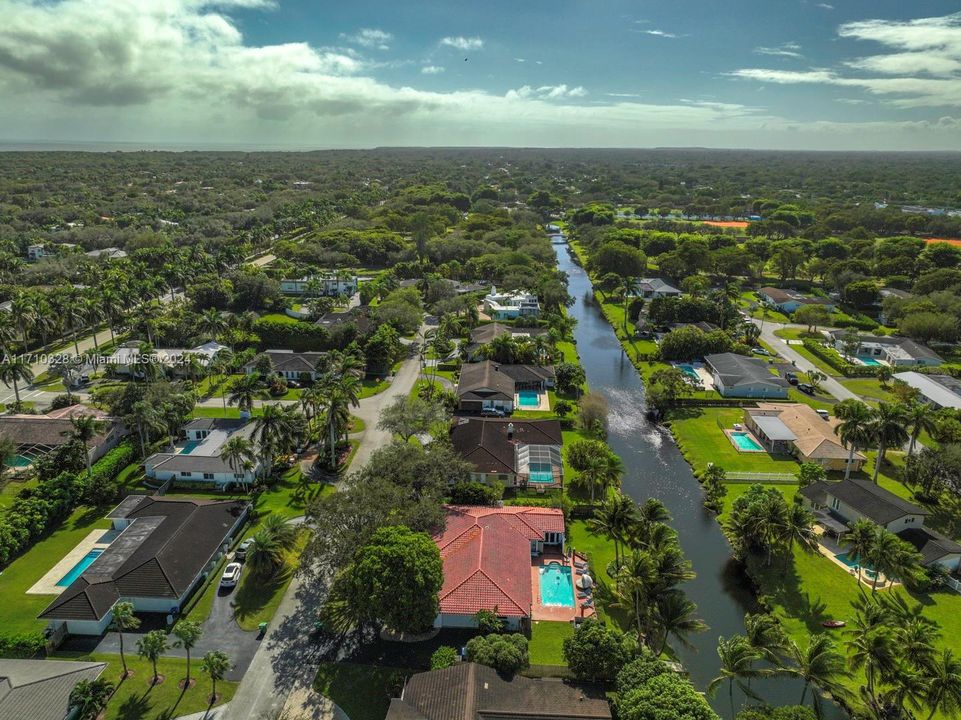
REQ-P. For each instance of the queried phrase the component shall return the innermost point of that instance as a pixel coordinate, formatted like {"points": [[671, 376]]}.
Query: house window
{"points": [[908, 520], [184, 473], [208, 476], [238, 476], [835, 503]]}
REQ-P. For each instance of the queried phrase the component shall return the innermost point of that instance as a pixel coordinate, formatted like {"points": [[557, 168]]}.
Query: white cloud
{"points": [[825, 6], [660, 33], [791, 50], [370, 38], [463, 43], [520, 60], [431, 70], [547, 92]]}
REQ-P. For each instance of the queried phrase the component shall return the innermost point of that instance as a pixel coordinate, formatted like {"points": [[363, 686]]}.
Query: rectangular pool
{"points": [[869, 361], [540, 473], [557, 589], [743, 441], [18, 461], [690, 371], [528, 398], [77, 570], [189, 446]]}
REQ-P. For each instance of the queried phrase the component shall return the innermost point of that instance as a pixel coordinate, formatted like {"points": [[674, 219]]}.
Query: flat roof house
{"points": [[40, 689], [852, 499], [787, 301], [291, 365], [197, 461], [891, 349], [798, 430], [938, 390], [740, 376], [511, 305], [468, 691], [488, 385], [651, 288], [517, 453], [487, 553], [328, 285], [163, 550]]}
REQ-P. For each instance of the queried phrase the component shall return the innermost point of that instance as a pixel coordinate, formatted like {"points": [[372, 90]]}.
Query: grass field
{"points": [[134, 698], [547, 642], [362, 691]]}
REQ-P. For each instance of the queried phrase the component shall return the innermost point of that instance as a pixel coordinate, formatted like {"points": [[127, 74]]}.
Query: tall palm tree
{"points": [[188, 634], [888, 428], [83, 430], [245, 390], [219, 366], [854, 430], [342, 393], [23, 311], [93, 313], [859, 542], [737, 664], [270, 429], [920, 418], [798, 528], [146, 417], [238, 453], [150, 647], [215, 664], [15, 369], [211, 323], [765, 634], [112, 306], [894, 557], [819, 663], [943, 678], [122, 619], [601, 473], [614, 518], [674, 617], [875, 653]]}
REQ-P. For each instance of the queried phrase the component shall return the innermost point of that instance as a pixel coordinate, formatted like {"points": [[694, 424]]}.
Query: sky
{"points": [[299, 74]]}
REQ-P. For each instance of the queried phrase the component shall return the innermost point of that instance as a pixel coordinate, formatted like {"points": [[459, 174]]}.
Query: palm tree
{"points": [[272, 429], [859, 542], [150, 647], [188, 633], [122, 619], [211, 323], [145, 416], [245, 390], [220, 367], [15, 369], [92, 314], [83, 430], [281, 531], [765, 634], [614, 518], [943, 678], [216, 664], [112, 308], [883, 374], [601, 472], [799, 528], [342, 393], [89, 697], [888, 428], [238, 453], [893, 556], [874, 652], [920, 418], [674, 616], [854, 430], [23, 311], [820, 663], [737, 663], [265, 555]]}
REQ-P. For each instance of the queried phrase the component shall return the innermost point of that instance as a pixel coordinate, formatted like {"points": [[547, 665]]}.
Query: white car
{"points": [[231, 575], [241, 552]]}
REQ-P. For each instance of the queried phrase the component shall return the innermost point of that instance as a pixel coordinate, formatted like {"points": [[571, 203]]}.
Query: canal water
{"points": [[656, 468]]}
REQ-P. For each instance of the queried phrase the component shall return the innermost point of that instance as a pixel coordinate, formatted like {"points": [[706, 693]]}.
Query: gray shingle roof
{"points": [[468, 691], [40, 689], [734, 369], [872, 501], [483, 381], [484, 442], [931, 544]]}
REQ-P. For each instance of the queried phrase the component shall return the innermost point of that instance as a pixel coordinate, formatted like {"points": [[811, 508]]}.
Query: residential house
{"points": [[328, 285], [787, 300], [291, 365], [40, 689], [511, 305], [486, 552], [740, 376], [517, 453], [890, 349], [484, 334], [941, 391], [468, 691], [35, 253], [128, 359], [797, 429], [358, 316], [109, 253], [197, 461], [163, 549], [652, 288], [853, 499], [488, 385], [37, 435]]}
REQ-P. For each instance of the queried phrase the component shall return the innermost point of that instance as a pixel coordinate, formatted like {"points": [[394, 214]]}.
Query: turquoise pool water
{"points": [[743, 441], [189, 446], [77, 570], [870, 361], [852, 563], [689, 371], [18, 461], [540, 473], [528, 398], [557, 589]]}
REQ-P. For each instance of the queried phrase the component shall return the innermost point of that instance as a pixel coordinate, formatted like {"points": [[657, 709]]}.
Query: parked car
{"points": [[759, 351], [805, 388], [791, 378], [231, 575], [241, 552], [493, 412]]}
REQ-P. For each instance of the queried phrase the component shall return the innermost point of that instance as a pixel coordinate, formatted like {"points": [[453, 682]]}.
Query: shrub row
{"points": [[297, 336], [113, 462], [836, 361], [25, 645]]}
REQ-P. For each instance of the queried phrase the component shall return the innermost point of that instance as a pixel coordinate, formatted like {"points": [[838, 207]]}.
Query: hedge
{"points": [[25, 645], [110, 465], [836, 361], [297, 336]]}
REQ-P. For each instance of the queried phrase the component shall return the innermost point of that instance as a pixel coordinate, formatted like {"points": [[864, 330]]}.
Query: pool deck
{"points": [[830, 549], [540, 611], [729, 432], [47, 585], [543, 403]]}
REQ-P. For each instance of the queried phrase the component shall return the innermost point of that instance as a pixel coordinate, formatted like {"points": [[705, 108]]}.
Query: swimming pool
{"points": [[189, 446], [869, 361], [528, 398], [689, 370], [77, 570], [18, 461], [557, 589], [852, 563], [743, 441], [540, 473]]}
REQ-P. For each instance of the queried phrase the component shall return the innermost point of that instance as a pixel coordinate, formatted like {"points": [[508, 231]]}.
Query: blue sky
{"points": [[797, 74]]}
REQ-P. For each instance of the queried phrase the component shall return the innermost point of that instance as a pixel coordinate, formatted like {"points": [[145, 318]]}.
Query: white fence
{"points": [[762, 477], [953, 584]]}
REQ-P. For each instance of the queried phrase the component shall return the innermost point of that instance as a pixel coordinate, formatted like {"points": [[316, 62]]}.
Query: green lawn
{"points": [[748, 298], [256, 599], [135, 699], [8, 493], [372, 386], [21, 610], [280, 317], [702, 441], [600, 552], [362, 691], [869, 389], [547, 642]]}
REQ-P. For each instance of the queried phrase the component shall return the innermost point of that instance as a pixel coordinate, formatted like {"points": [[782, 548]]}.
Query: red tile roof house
{"points": [[487, 554]]}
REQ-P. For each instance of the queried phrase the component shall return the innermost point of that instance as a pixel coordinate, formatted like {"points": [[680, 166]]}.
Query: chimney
{"points": [[510, 431]]}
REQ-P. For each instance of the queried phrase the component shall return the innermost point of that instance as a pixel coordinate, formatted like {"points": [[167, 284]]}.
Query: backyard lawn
{"points": [[21, 610], [362, 691], [547, 642], [135, 698], [870, 390]]}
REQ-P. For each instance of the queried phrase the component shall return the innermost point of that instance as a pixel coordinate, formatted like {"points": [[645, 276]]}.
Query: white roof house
{"points": [[511, 305], [939, 390], [197, 459], [325, 284], [651, 288]]}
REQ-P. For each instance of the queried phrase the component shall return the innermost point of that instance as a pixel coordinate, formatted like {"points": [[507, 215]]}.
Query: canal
{"points": [[656, 468]]}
